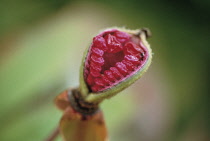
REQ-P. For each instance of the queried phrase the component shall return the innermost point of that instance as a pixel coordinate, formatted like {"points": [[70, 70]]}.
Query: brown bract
{"points": [[76, 126]]}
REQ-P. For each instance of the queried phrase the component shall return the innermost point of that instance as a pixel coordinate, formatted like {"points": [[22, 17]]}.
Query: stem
{"points": [[53, 135]]}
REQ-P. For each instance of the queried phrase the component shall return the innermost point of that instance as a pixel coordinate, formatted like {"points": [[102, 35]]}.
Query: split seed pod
{"points": [[115, 59]]}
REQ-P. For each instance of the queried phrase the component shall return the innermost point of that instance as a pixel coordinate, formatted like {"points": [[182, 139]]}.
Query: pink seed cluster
{"points": [[113, 56]]}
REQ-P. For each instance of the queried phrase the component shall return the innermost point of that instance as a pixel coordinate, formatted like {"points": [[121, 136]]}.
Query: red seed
{"points": [[87, 65], [106, 80], [90, 80], [122, 68], [134, 60], [109, 75], [99, 82], [94, 73], [99, 42], [133, 46], [96, 88], [97, 51], [112, 43], [95, 67], [97, 60], [122, 36], [132, 49], [86, 73], [116, 73], [129, 65]]}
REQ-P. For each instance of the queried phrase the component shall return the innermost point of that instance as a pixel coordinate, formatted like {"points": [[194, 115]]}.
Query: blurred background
{"points": [[41, 48]]}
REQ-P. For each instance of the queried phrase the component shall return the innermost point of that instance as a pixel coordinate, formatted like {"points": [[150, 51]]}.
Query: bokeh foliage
{"points": [[41, 46]]}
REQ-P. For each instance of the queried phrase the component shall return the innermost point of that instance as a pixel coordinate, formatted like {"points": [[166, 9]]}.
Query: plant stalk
{"points": [[53, 135]]}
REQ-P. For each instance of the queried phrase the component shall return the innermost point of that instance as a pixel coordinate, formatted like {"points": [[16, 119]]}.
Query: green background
{"points": [[41, 47]]}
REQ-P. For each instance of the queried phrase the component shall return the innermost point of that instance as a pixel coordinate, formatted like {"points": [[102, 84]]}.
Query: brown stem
{"points": [[53, 135]]}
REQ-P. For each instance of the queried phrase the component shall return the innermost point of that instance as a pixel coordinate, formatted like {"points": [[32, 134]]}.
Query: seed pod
{"points": [[115, 59]]}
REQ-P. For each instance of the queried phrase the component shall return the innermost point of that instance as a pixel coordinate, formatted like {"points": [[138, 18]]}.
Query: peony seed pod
{"points": [[115, 59]]}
